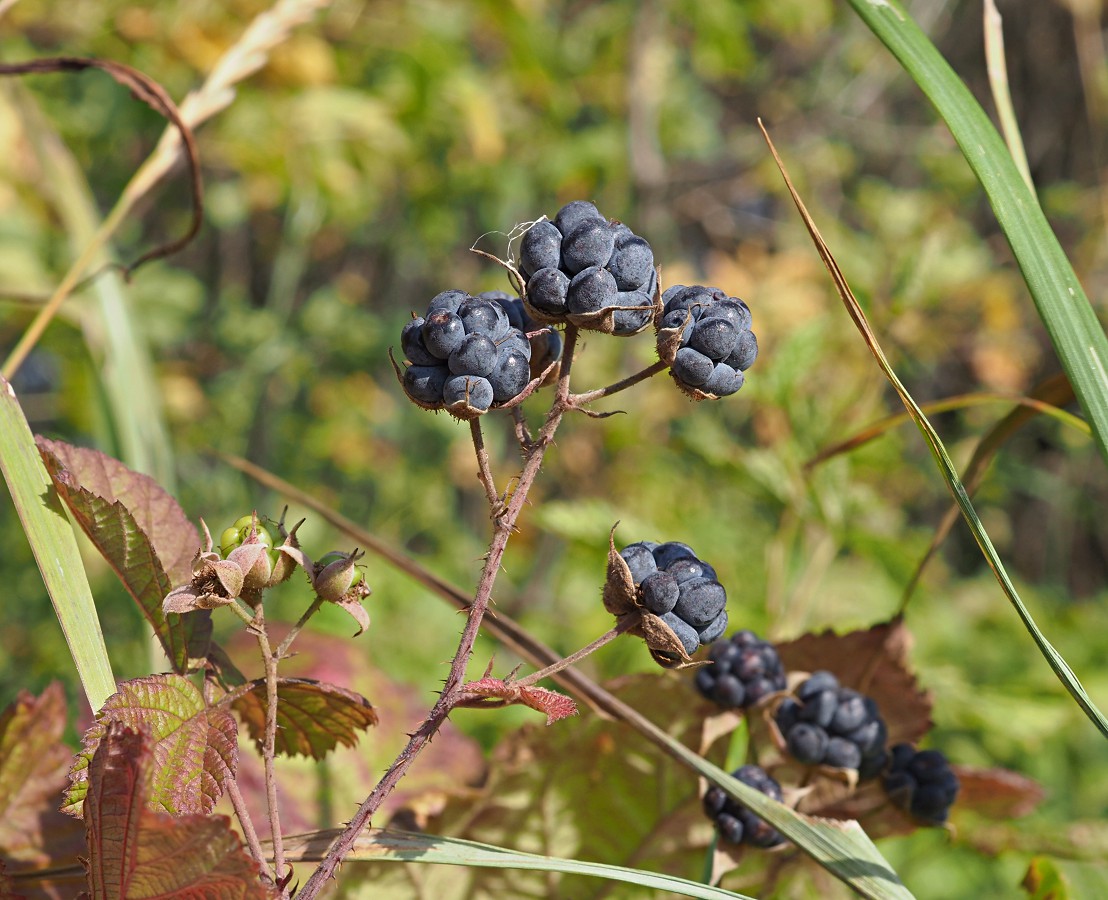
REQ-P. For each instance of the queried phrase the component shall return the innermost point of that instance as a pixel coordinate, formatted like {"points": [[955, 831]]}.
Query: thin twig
{"points": [[606, 638], [484, 473], [269, 751], [283, 649], [578, 399], [243, 814]]}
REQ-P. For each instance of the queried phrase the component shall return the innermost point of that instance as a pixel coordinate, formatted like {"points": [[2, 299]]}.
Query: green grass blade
{"points": [[1074, 330], [390, 845], [55, 548], [942, 459]]}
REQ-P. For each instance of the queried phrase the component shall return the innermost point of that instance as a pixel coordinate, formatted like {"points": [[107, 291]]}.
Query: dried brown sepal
{"points": [[620, 594], [286, 562], [216, 582], [668, 340], [621, 599]]}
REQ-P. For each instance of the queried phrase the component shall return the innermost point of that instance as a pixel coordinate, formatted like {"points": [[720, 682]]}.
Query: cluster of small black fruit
{"points": [[822, 723], [467, 352], [716, 344], [580, 263], [679, 588]]}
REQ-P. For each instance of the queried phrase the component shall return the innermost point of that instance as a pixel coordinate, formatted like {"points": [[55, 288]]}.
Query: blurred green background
{"points": [[345, 185]]}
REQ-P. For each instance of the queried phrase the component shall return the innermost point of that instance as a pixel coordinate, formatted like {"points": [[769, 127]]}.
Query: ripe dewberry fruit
{"points": [[737, 824], [674, 584], [705, 338], [921, 783], [586, 269], [742, 671], [825, 724]]}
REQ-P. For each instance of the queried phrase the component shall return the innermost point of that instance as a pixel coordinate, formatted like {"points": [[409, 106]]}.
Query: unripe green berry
{"points": [[335, 556]]}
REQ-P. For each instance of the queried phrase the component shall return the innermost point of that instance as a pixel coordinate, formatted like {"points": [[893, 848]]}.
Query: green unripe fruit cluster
{"points": [[237, 534]]}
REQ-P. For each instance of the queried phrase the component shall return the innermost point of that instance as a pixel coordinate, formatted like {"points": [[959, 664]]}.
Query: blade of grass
{"points": [[391, 845], [55, 548], [1057, 391], [1062, 305], [841, 847], [1002, 97], [942, 459]]}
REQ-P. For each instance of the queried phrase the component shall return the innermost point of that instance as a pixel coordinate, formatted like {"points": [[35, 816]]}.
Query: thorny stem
{"points": [[607, 638], [243, 814], [631, 380], [451, 692], [269, 745], [484, 473]]}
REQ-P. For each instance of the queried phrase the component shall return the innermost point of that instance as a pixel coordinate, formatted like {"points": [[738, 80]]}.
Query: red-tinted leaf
{"points": [[553, 705], [312, 717], [135, 853], [173, 537], [195, 747], [997, 793], [33, 766], [875, 662], [142, 533]]}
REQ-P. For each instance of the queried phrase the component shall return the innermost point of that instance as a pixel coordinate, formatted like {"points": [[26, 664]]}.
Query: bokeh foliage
{"points": [[345, 185]]}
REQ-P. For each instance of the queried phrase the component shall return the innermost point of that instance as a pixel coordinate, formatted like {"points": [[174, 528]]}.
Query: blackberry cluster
{"points": [[742, 671], [737, 824], [716, 344], [546, 343], [921, 782], [830, 725], [585, 268], [465, 355], [680, 589]]}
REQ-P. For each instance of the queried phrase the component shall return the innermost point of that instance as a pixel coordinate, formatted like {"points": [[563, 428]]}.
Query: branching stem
{"points": [[451, 693]]}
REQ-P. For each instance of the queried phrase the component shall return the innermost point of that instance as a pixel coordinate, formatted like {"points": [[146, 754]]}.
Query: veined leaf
{"points": [[312, 717], [33, 766], [135, 853], [142, 533], [55, 548], [196, 746]]}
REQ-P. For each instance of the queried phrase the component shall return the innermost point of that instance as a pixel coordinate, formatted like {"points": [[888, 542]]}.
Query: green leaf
{"points": [[1048, 878], [136, 854], [1062, 305], [196, 745], [142, 533], [312, 718], [55, 548], [390, 845]]}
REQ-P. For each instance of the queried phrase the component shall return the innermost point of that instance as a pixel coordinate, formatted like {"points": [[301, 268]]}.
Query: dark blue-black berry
{"points": [[584, 268], [737, 824], [828, 725], [921, 782], [682, 590], [705, 337], [466, 354], [745, 659]]}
